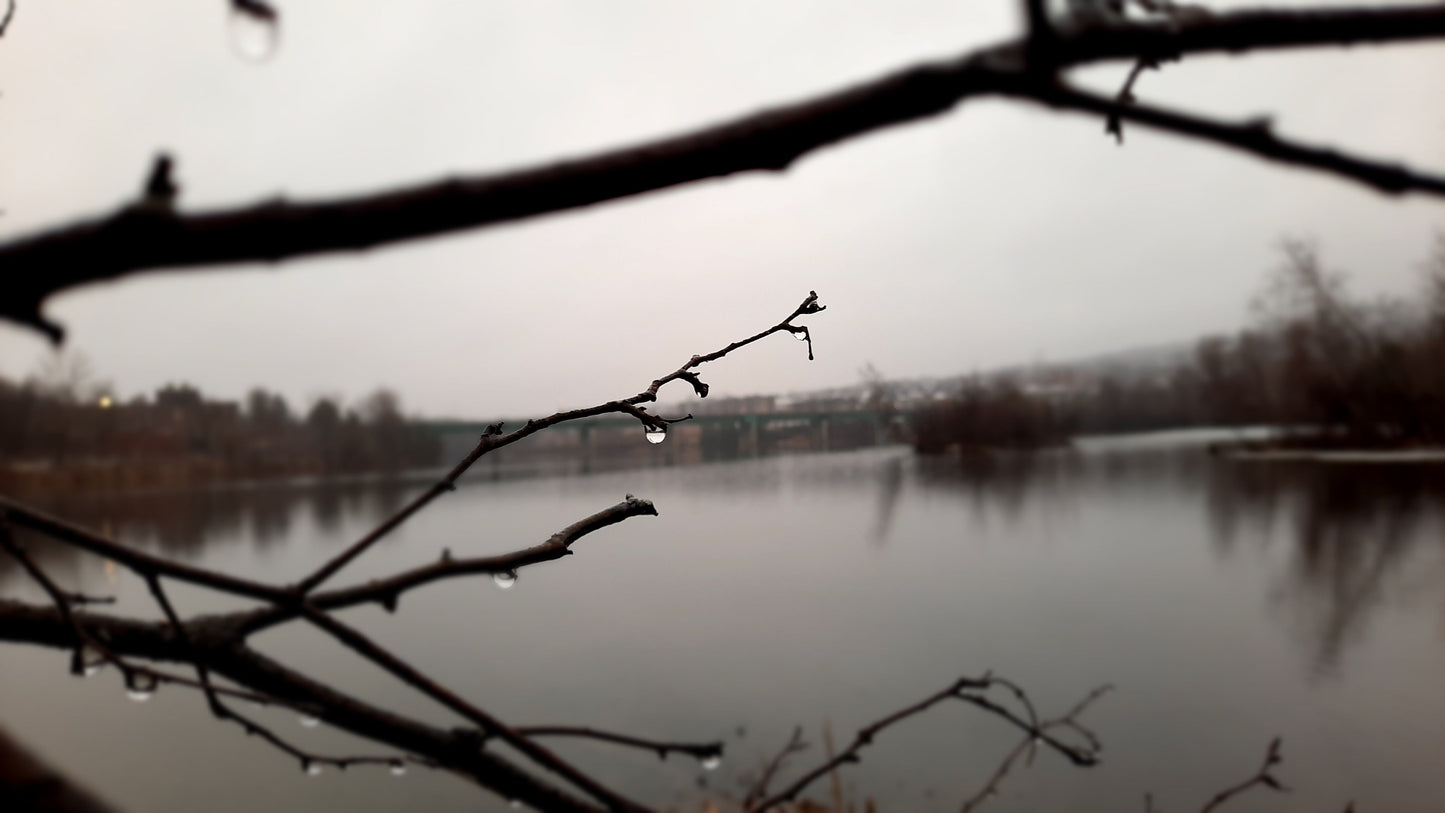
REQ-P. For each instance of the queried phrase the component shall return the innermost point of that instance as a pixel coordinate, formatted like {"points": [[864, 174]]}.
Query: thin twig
{"points": [[1112, 125], [143, 564], [491, 441], [962, 689], [490, 726], [1027, 746], [1255, 137], [700, 750], [759, 789], [309, 761], [1261, 777]]}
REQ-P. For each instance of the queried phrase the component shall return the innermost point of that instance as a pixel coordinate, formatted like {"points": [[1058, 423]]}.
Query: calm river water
{"points": [[1228, 602]]}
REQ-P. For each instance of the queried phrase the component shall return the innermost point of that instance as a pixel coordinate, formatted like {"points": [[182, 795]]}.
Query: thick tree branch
{"points": [[140, 237], [28, 785], [490, 726], [456, 751]]}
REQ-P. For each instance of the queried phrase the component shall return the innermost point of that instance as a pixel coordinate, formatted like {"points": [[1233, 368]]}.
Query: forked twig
{"points": [[965, 689], [1261, 777], [1027, 746]]}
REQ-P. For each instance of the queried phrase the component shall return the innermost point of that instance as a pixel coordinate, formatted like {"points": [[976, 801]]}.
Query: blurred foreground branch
{"points": [[151, 235]]}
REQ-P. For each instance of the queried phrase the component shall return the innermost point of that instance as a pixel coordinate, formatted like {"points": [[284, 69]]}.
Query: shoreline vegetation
{"points": [[61, 432], [1339, 378], [1339, 375]]}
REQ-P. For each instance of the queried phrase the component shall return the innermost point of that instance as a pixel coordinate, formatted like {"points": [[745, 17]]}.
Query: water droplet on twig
{"points": [[656, 435], [308, 721], [90, 660], [505, 580], [140, 686], [711, 762], [313, 769], [398, 769]]}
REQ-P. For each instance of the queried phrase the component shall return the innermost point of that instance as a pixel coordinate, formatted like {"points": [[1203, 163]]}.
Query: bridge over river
{"points": [[704, 437]]}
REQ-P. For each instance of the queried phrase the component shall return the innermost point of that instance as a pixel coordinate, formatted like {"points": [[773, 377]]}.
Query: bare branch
{"points": [[491, 441], [962, 689], [9, 15], [1112, 125], [490, 726], [143, 564], [453, 750], [759, 789], [1027, 746], [1255, 137], [140, 237], [1261, 777], [700, 750]]}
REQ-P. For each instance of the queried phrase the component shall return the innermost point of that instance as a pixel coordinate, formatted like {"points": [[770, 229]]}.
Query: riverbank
{"points": [[34, 477], [1329, 448]]}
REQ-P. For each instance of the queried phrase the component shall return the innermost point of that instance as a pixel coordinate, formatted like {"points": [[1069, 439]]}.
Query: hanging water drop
{"points": [[398, 769], [139, 687], [711, 762], [657, 434], [801, 335], [308, 721], [89, 659], [313, 769], [505, 580], [515, 804], [255, 29]]}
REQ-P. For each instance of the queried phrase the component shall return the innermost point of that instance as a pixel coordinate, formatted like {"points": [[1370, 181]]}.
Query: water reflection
{"points": [[1188, 579], [1347, 539], [1358, 536], [1361, 536], [187, 524]]}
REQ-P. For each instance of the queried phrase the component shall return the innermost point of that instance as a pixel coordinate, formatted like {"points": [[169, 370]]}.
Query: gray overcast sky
{"points": [[993, 235]]}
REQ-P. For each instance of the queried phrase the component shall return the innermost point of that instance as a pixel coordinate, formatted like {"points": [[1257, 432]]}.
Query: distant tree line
{"points": [[59, 420], [1331, 369]]}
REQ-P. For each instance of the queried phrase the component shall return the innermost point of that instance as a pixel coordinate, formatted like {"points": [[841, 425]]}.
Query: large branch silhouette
{"points": [[152, 234]]}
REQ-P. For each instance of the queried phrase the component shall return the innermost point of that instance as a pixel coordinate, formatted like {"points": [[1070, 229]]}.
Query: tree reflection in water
{"points": [[1360, 535]]}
